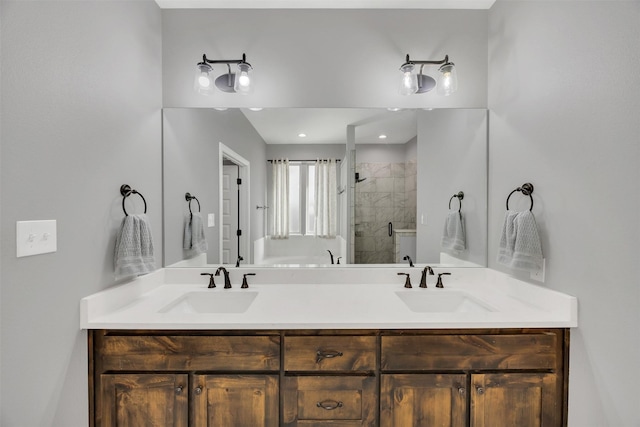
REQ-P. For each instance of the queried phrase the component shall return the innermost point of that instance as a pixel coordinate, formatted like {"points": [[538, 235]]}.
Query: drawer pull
{"points": [[480, 390], [329, 404], [327, 354]]}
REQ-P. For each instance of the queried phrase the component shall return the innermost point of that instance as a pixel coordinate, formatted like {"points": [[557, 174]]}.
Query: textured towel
{"points": [[194, 239], [453, 237], [134, 247], [520, 246]]}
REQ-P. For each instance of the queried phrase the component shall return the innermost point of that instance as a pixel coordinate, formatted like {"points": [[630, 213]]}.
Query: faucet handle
{"points": [[439, 282], [212, 283], [407, 282], [245, 285]]}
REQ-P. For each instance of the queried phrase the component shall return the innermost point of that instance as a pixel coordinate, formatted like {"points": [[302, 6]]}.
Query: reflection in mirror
{"points": [[408, 163]]}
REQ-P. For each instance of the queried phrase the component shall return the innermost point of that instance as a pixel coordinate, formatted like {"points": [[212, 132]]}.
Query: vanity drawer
{"points": [[320, 401], [330, 353], [192, 353], [457, 351]]}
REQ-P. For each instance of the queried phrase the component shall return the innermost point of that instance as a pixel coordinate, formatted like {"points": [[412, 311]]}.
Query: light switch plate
{"points": [[211, 220], [36, 237]]}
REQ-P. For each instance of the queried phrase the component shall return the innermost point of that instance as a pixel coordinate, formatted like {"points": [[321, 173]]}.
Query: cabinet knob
{"points": [[461, 391], [198, 390], [480, 390], [179, 389]]}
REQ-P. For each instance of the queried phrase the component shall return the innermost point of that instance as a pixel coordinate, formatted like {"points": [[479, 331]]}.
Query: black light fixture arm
{"points": [[409, 61], [225, 61]]}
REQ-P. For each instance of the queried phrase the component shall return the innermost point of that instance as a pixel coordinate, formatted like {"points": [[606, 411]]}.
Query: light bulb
{"points": [[244, 79], [409, 82], [448, 81], [202, 83], [204, 80]]}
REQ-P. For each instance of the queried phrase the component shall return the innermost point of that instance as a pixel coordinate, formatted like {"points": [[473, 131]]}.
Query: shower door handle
{"points": [[390, 226]]}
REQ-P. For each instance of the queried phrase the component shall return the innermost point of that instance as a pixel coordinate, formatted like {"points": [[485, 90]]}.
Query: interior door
{"points": [[229, 213]]}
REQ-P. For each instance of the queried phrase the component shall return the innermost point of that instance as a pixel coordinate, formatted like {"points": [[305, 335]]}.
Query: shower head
{"points": [[358, 179]]}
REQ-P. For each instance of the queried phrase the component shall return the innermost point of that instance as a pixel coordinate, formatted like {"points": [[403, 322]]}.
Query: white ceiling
{"points": [[329, 125], [325, 4]]}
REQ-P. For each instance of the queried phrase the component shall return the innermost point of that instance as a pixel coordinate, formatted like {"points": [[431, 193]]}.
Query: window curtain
{"points": [[280, 216], [326, 199]]}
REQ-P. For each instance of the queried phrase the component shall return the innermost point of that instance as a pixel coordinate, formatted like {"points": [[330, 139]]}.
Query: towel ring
{"points": [[460, 196], [126, 191], [526, 189], [188, 197]]}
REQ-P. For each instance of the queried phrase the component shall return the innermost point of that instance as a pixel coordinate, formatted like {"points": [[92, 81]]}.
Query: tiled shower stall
{"points": [[387, 195]]}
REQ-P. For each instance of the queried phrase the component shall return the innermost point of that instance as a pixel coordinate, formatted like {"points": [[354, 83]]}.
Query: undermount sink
{"points": [[441, 301], [219, 301]]}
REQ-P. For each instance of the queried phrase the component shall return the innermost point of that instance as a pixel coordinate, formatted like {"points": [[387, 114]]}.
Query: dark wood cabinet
{"points": [[235, 400], [423, 400], [340, 378], [133, 400], [514, 399], [315, 401]]}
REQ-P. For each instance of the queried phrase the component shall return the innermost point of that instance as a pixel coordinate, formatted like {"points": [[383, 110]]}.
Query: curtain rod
{"points": [[308, 160]]}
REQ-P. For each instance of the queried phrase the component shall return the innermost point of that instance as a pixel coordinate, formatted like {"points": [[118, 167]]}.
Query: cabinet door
{"points": [[150, 400], [523, 400], [235, 400], [421, 400]]}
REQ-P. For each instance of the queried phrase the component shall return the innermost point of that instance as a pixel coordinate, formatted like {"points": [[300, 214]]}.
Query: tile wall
{"points": [[387, 195]]}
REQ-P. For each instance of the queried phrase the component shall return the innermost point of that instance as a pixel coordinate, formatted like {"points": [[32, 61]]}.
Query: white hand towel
{"points": [[194, 238], [134, 247], [453, 237], [520, 246]]}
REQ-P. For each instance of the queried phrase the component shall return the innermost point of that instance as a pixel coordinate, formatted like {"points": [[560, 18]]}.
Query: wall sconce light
{"points": [[240, 81], [413, 82]]}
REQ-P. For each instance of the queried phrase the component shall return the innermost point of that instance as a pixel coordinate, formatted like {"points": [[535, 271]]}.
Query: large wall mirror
{"points": [[362, 187]]}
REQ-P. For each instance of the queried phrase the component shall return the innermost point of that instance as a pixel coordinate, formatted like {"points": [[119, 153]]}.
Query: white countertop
{"points": [[329, 298]]}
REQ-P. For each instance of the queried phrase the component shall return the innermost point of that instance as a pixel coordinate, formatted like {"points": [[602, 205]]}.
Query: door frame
{"points": [[244, 169]]}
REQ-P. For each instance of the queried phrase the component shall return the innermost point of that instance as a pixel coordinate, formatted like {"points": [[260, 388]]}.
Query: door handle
{"points": [[390, 226]]}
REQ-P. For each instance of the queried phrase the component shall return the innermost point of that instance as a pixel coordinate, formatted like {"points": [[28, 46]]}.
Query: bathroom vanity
{"points": [[491, 351]]}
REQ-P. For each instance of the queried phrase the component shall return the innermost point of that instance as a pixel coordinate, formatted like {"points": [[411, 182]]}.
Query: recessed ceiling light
{"points": [[394, 109], [221, 108], [255, 108], [427, 109], [302, 135], [383, 136]]}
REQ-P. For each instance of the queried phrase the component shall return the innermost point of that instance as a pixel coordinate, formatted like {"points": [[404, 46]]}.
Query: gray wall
{"points": [[191, 164], [324, 58], [564, 97], [81, 99], [452, 154]]}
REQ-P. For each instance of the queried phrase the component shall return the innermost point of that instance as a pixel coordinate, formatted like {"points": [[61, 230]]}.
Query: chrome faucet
{"points": [[227, 281], [408, 258], [423, 280]]}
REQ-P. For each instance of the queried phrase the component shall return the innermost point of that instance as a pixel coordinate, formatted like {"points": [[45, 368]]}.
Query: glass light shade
{"points": [[203, 82], [409, 82], [448, 80], [244, 79]]}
